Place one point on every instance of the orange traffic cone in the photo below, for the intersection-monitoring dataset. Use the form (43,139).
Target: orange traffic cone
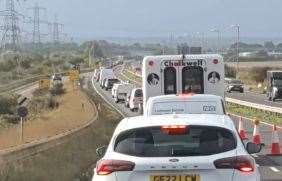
(256,134)
(275,148)
(241,129)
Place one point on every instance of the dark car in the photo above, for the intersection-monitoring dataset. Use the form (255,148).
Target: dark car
(110,82)
(234,85)
(57,77)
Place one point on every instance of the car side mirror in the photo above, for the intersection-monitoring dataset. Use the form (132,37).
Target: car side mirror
(101,151)
(253,148)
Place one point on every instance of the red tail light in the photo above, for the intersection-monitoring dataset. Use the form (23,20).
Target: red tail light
(106,167)
(174,130)
(241,163)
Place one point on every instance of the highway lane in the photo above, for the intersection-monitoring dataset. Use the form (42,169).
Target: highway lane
(254,98)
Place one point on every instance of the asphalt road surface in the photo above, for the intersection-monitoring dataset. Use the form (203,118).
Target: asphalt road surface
(270,166)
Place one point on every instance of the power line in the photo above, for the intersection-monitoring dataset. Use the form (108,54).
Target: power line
(11,31)
(36,34)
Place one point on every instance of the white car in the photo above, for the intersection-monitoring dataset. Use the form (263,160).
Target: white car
(185,104)
(136,98)
(172,147)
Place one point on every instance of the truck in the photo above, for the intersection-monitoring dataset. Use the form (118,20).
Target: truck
(182,74)
(274,85)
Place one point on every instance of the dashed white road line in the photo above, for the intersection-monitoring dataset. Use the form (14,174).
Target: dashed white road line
(274,169)
(103,97)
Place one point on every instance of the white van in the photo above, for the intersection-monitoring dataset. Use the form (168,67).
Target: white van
(115,88)
(181,74)
(122,91)
(106,74)
(185,104)
(136,99)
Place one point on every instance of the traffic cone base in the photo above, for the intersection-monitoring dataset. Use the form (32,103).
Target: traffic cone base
(242,134)
(256,139)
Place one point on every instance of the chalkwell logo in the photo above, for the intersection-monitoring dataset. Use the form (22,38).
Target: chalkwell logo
(184,63)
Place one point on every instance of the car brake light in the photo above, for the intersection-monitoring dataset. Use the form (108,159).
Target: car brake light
(106,167)
(241,163)
(174,130)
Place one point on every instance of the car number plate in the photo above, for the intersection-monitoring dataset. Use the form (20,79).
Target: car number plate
(191,177)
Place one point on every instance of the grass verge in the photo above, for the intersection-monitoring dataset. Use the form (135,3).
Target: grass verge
(71,160)
(254,113)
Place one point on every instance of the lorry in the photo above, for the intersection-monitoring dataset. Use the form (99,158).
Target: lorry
(274,85)
(183,74)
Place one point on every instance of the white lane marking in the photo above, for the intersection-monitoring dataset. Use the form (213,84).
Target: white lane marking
(274,169)
(103,97)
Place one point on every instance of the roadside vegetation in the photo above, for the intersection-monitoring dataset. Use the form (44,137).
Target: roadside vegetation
(75,158)
(254,113)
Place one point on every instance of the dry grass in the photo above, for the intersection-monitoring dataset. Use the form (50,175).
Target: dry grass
(68,115)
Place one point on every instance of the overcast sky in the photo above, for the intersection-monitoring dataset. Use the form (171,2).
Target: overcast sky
(130,18)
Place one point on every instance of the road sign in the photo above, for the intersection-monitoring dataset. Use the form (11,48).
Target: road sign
(74,75)
(44,83)
(22,111)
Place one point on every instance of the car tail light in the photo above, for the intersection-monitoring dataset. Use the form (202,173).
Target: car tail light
(106,167)
(241,163)
(174,130)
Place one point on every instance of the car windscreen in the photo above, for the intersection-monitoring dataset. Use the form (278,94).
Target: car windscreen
(157,142)
(113,80)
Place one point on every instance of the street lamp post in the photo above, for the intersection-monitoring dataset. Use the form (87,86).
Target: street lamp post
(218,38)
(237,48)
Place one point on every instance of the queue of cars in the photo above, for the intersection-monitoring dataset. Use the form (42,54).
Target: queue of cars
(184,134)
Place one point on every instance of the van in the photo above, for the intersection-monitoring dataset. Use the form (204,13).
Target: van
(115,88)
(105,74)
(274,85)
(122,91)
(110,82)
(136,99)
(182,74)
(185,104)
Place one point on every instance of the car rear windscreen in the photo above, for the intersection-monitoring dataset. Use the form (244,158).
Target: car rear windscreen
(194,141)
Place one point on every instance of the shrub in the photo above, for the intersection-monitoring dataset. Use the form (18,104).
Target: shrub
(258,74)
(8,104)
(57,89)
(230,71)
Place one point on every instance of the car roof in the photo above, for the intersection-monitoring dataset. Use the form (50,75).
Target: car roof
(206,97)
(223,121)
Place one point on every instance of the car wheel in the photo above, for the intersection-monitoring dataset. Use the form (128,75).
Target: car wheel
(269,98)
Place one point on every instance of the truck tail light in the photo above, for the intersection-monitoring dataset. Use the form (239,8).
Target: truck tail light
(174,130)
(106,167)
(241,163)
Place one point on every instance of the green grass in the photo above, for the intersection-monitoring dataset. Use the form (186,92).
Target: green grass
(254,113)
